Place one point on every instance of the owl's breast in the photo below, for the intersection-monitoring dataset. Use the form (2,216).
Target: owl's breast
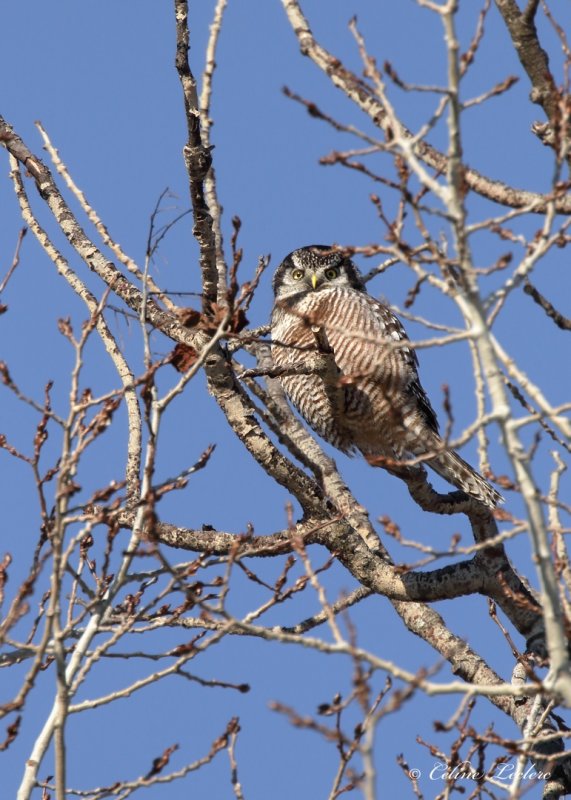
(295,349)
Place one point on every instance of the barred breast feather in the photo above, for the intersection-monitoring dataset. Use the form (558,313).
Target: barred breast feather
(378,406)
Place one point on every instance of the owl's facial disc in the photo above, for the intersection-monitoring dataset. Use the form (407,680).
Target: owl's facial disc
(313,278)
(314,268)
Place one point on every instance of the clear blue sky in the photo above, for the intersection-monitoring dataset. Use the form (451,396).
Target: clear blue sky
(100,76)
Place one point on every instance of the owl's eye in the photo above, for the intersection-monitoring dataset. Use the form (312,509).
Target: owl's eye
(331,273)
(297,274)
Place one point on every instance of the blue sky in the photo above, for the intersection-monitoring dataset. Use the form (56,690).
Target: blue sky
(100,76)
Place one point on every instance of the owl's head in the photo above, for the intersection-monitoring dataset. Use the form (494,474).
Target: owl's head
(314,268)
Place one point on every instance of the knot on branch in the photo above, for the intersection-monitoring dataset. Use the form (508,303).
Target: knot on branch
(198,160)
(545,133)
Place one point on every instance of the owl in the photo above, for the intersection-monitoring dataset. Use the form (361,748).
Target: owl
(373,403)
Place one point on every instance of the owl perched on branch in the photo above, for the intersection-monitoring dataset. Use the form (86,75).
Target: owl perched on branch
(348,367)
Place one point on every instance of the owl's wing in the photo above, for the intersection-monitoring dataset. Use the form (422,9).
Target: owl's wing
(392,328)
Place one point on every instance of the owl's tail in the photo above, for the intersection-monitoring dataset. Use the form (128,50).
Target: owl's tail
(450,466)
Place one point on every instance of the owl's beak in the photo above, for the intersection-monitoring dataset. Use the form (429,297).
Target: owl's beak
(314,280)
